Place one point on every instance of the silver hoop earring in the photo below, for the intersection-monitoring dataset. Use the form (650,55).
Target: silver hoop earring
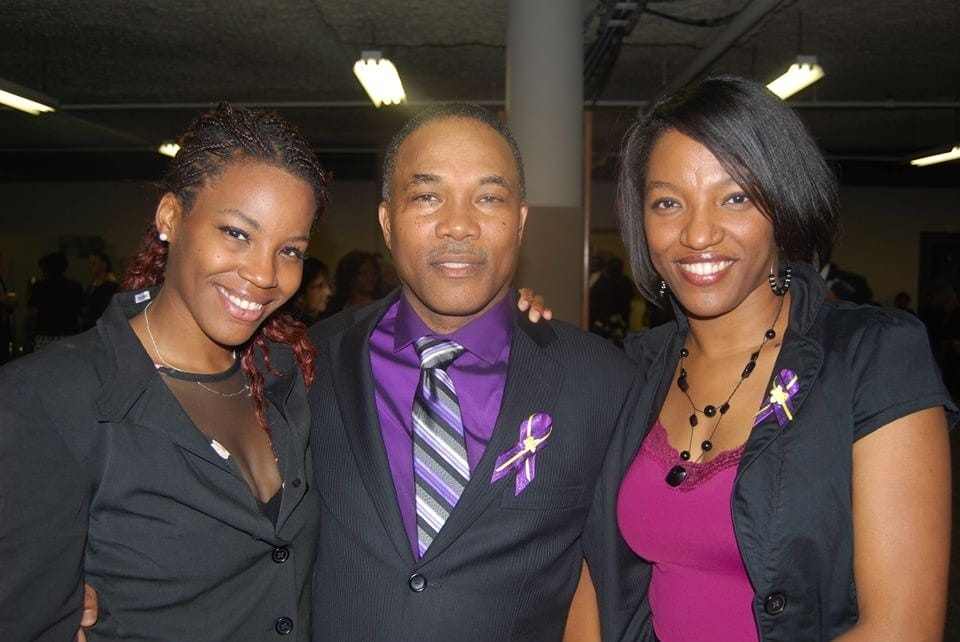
(780,290)
(663,288)
(162,237)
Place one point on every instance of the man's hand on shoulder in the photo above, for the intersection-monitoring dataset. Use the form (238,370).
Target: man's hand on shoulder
(91,610)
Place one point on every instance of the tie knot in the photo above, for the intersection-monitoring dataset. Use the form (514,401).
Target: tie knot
(437,353)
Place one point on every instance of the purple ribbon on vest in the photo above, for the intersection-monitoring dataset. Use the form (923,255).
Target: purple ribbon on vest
(780,400)
(522,457)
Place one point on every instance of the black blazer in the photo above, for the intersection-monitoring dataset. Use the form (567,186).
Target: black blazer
(505,566)
(102,472)
(858,368)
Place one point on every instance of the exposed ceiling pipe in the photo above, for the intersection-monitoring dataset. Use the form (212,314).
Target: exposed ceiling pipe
(744,21)
(824,105)
(617,21)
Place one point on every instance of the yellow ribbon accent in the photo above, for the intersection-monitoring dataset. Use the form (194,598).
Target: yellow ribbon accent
(530,445)
(780,396)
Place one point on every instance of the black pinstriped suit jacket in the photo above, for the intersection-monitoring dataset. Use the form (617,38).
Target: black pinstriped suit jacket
(505,566)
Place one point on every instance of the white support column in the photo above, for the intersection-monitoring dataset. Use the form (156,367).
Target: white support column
(544,104)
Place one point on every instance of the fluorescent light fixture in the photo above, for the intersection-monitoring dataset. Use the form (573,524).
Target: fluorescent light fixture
(803,73)
(19,97)
(923,161)
(379,79)
(169,149)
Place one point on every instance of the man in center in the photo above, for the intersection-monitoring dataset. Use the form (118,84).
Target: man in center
(458,448)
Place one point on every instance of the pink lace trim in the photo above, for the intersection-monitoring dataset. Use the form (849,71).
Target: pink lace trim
(658,448)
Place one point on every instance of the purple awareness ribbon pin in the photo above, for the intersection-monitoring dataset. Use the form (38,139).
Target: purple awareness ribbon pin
(522,457)
(780,401)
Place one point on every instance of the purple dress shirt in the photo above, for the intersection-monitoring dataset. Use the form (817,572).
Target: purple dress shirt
(479,375)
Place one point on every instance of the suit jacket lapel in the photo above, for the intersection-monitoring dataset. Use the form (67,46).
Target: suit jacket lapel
(657,367)
(134,392)
(157,410)
(533,385)
(803,358)
(286,397)
(139,396)
(358,407)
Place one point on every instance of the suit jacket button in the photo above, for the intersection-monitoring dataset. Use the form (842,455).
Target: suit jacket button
(417,582)
(283,626)
(775,603)
(295,483)
(280,554)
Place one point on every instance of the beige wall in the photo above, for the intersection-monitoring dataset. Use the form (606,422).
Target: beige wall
(881,233)
(551,259)
(38,218)
(880,236)
(350,223)
(881,228)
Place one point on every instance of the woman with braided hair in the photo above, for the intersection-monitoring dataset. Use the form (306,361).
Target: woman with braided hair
(161,456)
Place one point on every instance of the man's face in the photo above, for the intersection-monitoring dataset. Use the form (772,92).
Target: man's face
(455,220)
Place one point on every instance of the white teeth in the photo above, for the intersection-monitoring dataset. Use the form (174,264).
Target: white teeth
(243,303)
(705,269)
(456,266)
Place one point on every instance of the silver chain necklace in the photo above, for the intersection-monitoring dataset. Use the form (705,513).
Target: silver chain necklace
(156,348)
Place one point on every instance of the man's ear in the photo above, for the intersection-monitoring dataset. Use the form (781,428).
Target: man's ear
(383,214)
(168,216)
(523,219)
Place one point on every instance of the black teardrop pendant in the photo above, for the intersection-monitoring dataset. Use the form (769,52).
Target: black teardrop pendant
(676,475)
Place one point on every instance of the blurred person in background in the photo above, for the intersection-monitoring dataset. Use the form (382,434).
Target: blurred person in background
(55,302)
(103,285)
(310,302)
(8,302)
(356,282)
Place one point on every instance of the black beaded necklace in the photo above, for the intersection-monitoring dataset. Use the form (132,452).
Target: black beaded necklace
(678,473)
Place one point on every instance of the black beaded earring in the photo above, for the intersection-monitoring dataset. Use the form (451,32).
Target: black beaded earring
(780,290)
(663,288)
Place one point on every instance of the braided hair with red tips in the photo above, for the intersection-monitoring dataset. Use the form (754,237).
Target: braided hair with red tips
(216,140)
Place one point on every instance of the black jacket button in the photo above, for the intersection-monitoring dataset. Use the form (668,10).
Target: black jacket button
(417,582)
(295,483)
(775,603)
(283,626)
(280,554)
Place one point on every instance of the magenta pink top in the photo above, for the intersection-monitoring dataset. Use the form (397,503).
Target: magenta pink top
(699,589)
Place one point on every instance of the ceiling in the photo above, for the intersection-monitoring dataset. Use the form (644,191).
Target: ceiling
(130,73)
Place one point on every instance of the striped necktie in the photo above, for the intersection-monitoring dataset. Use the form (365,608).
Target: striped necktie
(440,467)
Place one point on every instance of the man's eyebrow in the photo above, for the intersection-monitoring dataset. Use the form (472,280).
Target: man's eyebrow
(420,179)
(495,179)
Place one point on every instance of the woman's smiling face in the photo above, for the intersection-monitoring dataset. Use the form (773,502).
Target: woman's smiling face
(711,244)
(237,255)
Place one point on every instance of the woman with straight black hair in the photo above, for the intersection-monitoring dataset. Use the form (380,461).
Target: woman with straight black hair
(788,477)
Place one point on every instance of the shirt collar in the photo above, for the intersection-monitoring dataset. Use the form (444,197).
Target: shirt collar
(484,337)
